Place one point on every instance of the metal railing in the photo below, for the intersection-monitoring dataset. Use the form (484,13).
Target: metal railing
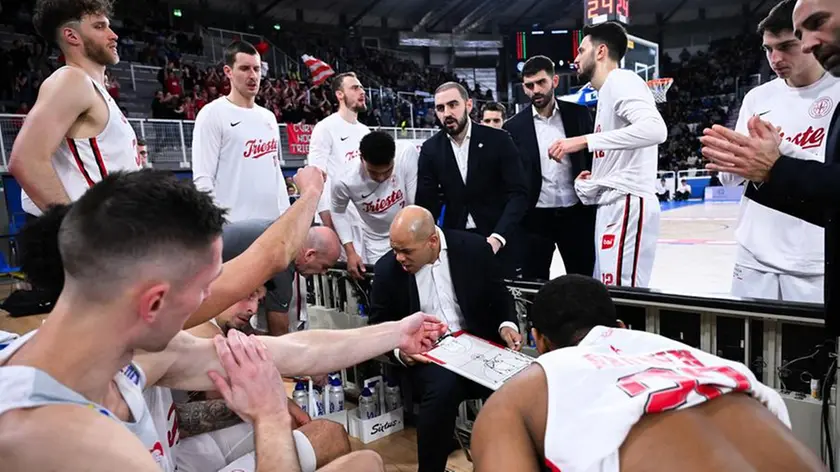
(278,60)
(170,141)
(136,67)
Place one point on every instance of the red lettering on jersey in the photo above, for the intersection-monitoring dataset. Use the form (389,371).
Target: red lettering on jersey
(607,241)
(808,139)
(157,452)
(257,148)
(598,154)
(683,381)
(350,155)
(383,204)
(172,418)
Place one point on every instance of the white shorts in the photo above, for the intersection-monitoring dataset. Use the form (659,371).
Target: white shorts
(752,283)
(626,233)
(232,449)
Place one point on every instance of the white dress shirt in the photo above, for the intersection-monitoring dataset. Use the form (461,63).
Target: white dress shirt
(437,293)
(462,157)
(558,188)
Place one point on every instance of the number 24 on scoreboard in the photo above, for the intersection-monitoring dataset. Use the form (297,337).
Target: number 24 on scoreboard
(611,9)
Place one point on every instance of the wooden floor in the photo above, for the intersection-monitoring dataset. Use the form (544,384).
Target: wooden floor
(399,450)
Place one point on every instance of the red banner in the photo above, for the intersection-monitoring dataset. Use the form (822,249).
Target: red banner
(299,135)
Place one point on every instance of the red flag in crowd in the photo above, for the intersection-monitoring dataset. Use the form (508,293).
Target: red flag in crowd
(319,69)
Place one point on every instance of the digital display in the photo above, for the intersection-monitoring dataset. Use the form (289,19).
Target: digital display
(558,45)
(600,11)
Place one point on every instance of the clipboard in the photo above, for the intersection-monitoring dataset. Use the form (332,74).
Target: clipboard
(484,362)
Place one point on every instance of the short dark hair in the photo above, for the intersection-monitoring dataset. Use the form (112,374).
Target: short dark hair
(49,15)
(235,48)
(537,64)
(125,219)
(141,142)
(453,85)
(377,148)
(612,34)
(494,106)
(338,81)
(779,19)
(566,308)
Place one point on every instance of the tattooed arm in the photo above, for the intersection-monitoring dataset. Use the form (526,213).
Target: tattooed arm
(204,416)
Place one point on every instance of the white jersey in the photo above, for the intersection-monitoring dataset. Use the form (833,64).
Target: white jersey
(82,162)
(621,375)
(333,145)
(628,128)
(804,114)
(164,416)
(28,387)
(236,156)
(377,203)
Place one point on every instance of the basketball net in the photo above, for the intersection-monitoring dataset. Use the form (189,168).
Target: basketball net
(659,88)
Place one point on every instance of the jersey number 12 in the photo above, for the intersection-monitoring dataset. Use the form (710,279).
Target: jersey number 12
(685,380)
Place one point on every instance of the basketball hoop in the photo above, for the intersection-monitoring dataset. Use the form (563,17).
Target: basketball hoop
(659,88)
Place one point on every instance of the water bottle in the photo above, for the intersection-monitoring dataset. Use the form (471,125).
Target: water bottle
(367,407)
(393,398)
(319,402)
(374,392)
(301,396)
(335,395)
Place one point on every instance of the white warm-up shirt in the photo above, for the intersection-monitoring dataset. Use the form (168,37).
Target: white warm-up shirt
(333,145)
(377,203)
(769,240)
(628,128)
(236,156)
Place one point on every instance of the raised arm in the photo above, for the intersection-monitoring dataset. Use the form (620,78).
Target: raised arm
(271,253)
(62,99)
(636,106)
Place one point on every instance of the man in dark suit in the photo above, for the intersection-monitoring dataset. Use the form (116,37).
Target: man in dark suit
(477,171)
(454,275)
(806,189)
(555,214)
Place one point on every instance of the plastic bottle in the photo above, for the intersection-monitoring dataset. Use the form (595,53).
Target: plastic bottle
(319,402)
(301,396)
(375,388)
(367,407)
(335,396)
(393,397)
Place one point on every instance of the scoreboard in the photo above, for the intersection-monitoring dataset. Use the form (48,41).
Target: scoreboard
(600,11)
(559,45)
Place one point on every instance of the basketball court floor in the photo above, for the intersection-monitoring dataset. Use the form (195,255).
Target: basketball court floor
(696,250)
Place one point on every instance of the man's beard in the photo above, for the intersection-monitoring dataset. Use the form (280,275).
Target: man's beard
(828,55)
(544,101)
(462,123)
(357,108)
(585,74)
(98,54)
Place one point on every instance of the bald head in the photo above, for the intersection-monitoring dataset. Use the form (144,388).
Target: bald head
(414,222)
(320,251)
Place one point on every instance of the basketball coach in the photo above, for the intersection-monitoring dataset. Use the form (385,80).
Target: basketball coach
(809,190)
(476,172)
(555,214)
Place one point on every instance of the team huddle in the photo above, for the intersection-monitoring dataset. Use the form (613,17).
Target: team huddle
(154,297)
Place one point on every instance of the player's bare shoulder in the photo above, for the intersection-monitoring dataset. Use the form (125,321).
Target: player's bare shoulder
(79,439)
(67,83)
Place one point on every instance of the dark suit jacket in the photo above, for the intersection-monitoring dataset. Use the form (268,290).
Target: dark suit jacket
(576,122)
(479,288)
(495,194)
(810,190)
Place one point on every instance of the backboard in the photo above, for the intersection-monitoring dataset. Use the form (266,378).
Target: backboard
(642,57)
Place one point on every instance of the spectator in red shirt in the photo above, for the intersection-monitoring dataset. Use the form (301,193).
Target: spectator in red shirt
(172,83)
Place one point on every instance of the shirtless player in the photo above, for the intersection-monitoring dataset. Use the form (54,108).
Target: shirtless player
(141,252)
(603,398)
(75,134)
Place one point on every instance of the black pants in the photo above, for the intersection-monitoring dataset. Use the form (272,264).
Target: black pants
(571,230)
(510,256)
(441,392)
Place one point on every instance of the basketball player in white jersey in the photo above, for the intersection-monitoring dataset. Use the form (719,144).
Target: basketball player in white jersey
(335,140)
(134,273)
(379,185)
(778,256)
(236,151)
(628,128)
(75,133)
(603,398)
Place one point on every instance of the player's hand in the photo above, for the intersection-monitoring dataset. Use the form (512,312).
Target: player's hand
(253,388)
(585,175)
(512,338)
(414,359)
(561,147)
(355,265)
(310,179)
(751,157)
(494,243)
(299,417)
(419,332)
